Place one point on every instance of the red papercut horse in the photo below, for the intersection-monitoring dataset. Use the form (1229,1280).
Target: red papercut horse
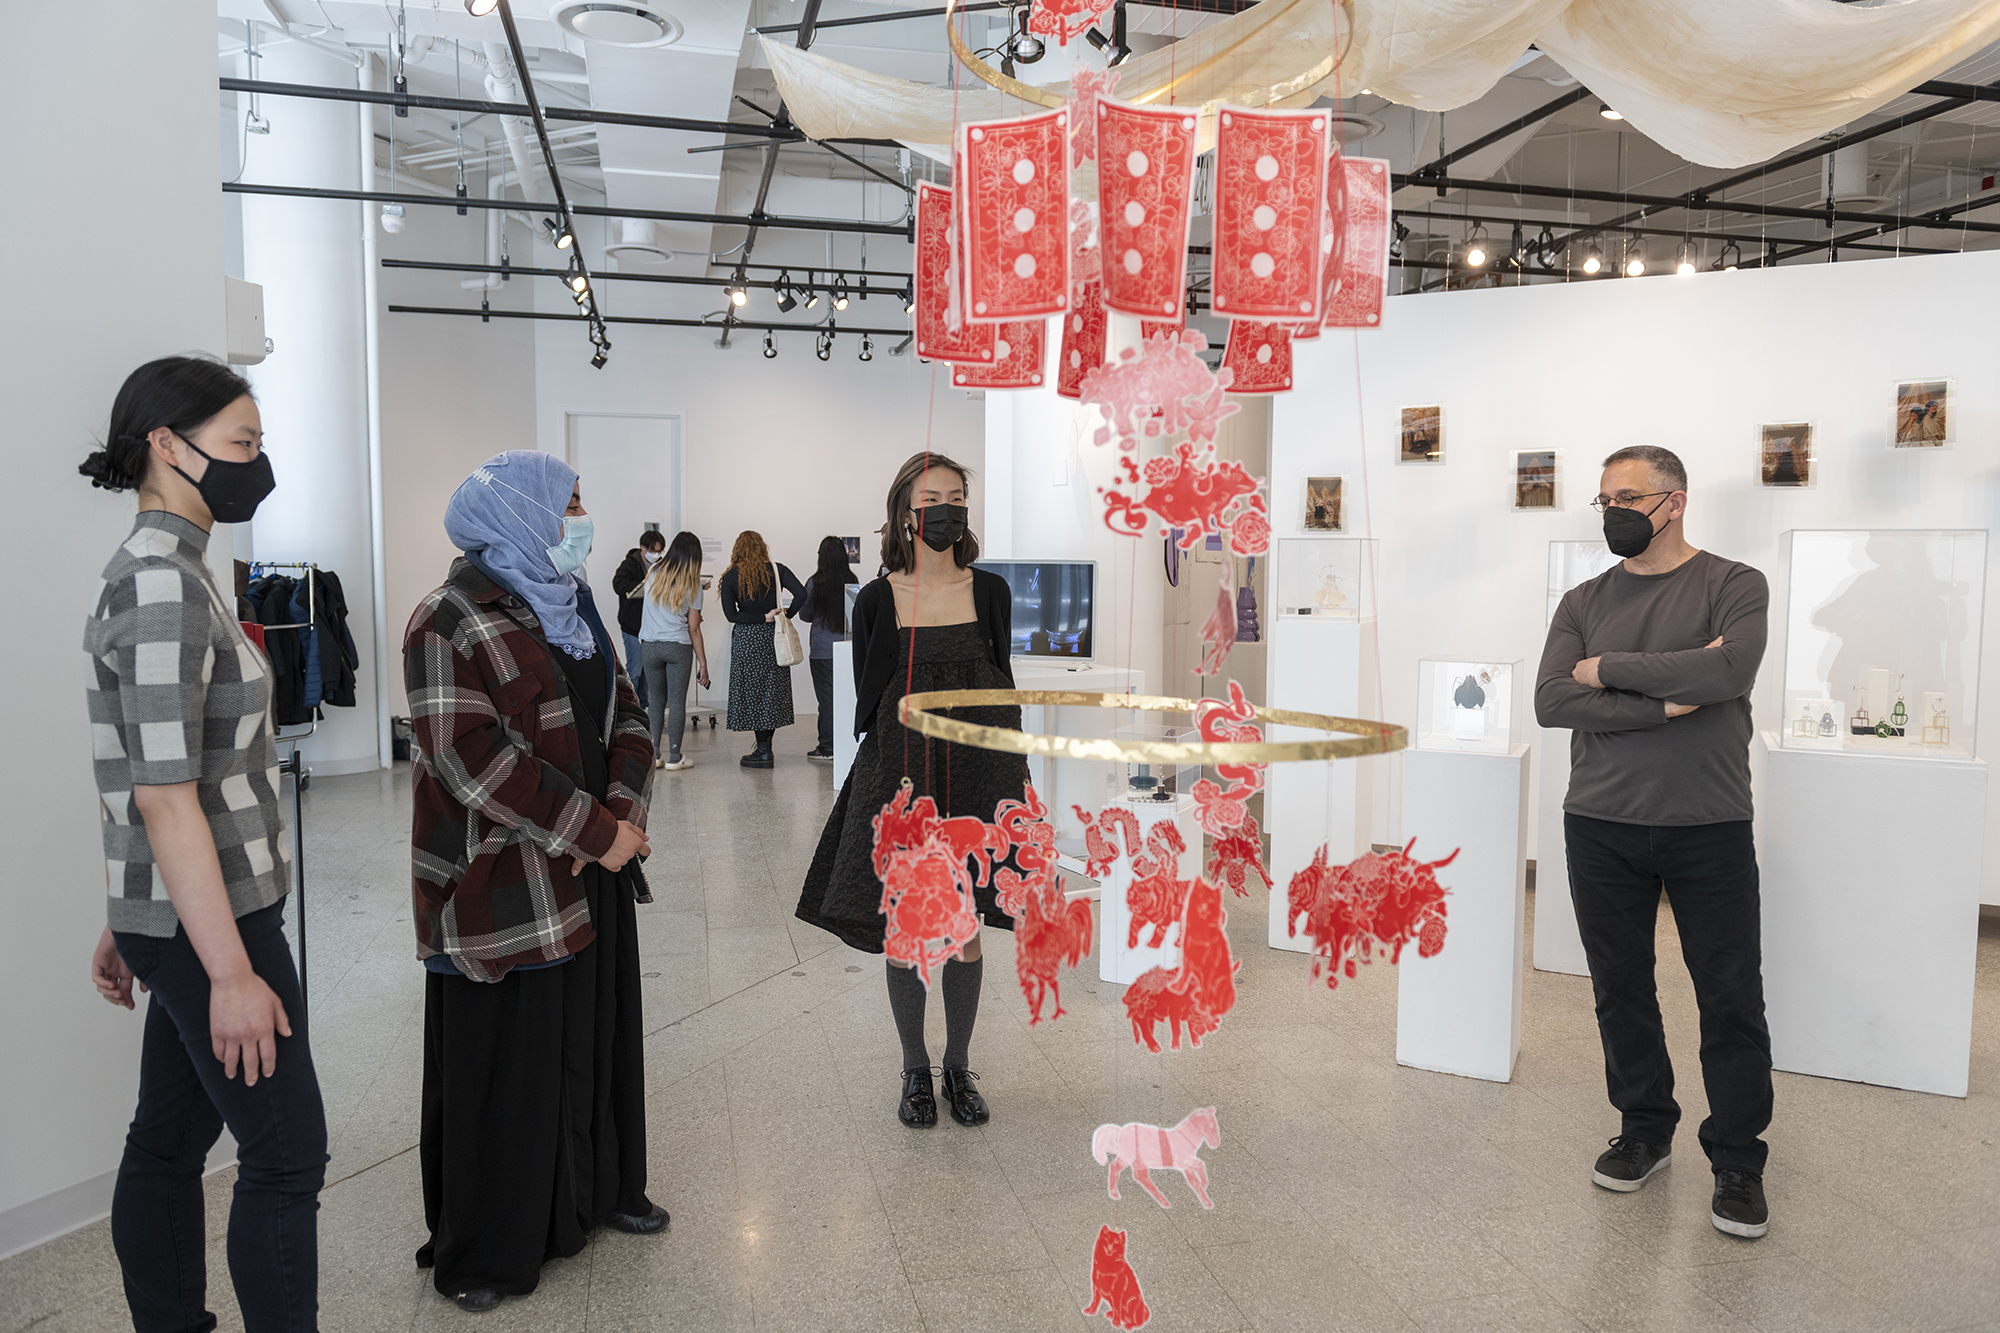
(1155,895)
(1202,991)
(1113,1284)
(1147,1148)
(1376,904)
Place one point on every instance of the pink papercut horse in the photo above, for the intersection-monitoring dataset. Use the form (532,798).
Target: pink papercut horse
(1149,1148)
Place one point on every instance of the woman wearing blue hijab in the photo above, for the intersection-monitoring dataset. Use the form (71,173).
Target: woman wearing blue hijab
(530,793)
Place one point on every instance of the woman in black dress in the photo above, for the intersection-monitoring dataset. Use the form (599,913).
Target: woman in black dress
(760,691)
(933,614)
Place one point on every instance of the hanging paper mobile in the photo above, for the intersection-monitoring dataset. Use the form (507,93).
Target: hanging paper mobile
(1218,633)
(1357,279)
(1270,198)
(1258,357)
(1237,854)
(1376,904)
(1114,1287)
(1198,994)
(1158,390)
(1155,895)
(936,339)
(1195,493)
(1017,364)
(1084,331)
(1147,1148)
(1015,217)
(1145,176)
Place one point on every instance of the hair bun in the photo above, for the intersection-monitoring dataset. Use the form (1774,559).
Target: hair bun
(104,473)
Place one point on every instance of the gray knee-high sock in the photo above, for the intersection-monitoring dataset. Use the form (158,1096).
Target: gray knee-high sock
(961,1007)
(906,1002)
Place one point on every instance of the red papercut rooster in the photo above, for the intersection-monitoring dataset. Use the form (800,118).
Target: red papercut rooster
(1377,904)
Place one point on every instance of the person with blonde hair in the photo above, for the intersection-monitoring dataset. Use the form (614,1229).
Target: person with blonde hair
(760,691)
(670,645)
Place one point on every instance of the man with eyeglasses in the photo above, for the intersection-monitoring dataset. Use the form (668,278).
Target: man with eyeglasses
(1649,666)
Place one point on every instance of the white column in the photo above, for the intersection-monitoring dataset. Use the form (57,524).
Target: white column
(313,388)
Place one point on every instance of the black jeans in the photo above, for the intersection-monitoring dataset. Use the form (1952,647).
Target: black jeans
(822,674)
(1709,871)
(157,1225)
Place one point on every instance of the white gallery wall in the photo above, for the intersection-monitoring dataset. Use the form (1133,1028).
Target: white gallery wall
(75,331)
(1694,364)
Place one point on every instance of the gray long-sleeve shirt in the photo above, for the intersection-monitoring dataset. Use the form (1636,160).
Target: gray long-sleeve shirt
(1629,762)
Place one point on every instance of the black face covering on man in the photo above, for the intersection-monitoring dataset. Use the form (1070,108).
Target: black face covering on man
(1628,532)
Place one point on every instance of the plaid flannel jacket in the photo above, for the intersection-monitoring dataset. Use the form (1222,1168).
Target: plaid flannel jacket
(500,805)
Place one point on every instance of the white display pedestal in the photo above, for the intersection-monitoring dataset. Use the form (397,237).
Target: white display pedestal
(1459,1012)
(1558,946)
(1316,665)
(1066,782)
(844,743)
(1115,961)
(1871,867)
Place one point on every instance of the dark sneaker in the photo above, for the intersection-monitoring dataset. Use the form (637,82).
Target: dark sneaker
(820,754)
(1630,1163)
(1739,1208)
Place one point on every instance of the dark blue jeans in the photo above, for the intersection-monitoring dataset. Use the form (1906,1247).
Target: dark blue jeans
(156,1211)
(634,667)
(1709,872)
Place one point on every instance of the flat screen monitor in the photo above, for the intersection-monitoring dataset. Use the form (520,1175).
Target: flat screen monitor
(1055,606)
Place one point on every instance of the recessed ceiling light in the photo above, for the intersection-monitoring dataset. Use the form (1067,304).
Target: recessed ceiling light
(615,24)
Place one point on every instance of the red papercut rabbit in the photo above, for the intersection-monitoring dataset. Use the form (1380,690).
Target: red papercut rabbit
(1113,1284)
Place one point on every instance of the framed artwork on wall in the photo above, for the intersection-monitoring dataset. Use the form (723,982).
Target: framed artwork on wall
(1420,435)
(1325,505)
(853,545)
(1537,480)
(1785,454)
(1925,416)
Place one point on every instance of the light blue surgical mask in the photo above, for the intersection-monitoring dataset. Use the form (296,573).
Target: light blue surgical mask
(569,554)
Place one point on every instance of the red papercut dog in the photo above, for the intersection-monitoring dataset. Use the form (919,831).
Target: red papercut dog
(1113,1284)
(1148,1148)
(1202,991)
(1377,904)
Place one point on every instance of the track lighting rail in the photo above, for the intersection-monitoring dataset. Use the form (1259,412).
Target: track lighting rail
(642,319)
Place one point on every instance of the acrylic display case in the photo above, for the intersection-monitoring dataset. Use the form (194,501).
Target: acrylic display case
(1882,640)
(1571,563)
(1134,781)
(1324,578)
(1466,705)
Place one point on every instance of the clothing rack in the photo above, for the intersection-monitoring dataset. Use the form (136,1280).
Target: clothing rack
(292,764)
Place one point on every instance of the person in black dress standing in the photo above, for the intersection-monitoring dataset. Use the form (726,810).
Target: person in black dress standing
(760,691)
(935,618)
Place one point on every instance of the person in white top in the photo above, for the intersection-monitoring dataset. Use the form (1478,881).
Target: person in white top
(670,646)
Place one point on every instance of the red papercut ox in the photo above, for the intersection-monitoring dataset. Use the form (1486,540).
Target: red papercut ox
(1270,192)
(1017,365)
(935,340)
(1145,176)
(1015,216)
(1357,275)
(1259,356)
(1084,331)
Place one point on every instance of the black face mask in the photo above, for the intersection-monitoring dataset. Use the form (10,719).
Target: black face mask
(232,491)
(1628,532)
(942,525)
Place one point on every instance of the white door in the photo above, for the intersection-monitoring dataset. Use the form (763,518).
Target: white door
(630,473)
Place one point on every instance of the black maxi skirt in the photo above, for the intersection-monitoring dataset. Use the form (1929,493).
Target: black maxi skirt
(534,1112)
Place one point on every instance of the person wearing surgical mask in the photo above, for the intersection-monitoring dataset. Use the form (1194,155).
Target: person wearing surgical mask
(933,622)
(530,803)
(1649,666)
(199,868)
(626,586)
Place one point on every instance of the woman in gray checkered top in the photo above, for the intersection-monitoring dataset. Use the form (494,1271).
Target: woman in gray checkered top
(180,728)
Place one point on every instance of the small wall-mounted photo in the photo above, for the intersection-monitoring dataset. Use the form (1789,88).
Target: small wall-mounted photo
(1325,505)
(1785,454)
(1535,479)
(853,545)
(1420,437)
(1924,415)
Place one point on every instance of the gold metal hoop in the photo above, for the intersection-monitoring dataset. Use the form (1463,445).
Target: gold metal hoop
(1368,737)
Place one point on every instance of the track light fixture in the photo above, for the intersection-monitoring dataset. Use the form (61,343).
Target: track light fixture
(909,295)
(787,301)
(1475,246)
(1684,260)
(812,293)
(1396,244)
(1635,258)
(598,358)
(839,290)
(562,236)
(1516,247)
(770,347)
(1593,258)
(1732,257)
(579,283)
(1116,51)
(823,345)
(479,9)
(736,291)
(867,349)
(1604,110)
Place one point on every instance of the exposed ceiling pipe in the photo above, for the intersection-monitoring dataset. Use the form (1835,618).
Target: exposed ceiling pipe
(502,86)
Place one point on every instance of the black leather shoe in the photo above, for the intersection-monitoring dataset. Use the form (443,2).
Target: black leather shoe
(651,1224)
(758,759)
(477,1300)
(919,1106)
(967,1106)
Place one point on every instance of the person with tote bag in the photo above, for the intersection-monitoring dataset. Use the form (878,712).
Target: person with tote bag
(760,686)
